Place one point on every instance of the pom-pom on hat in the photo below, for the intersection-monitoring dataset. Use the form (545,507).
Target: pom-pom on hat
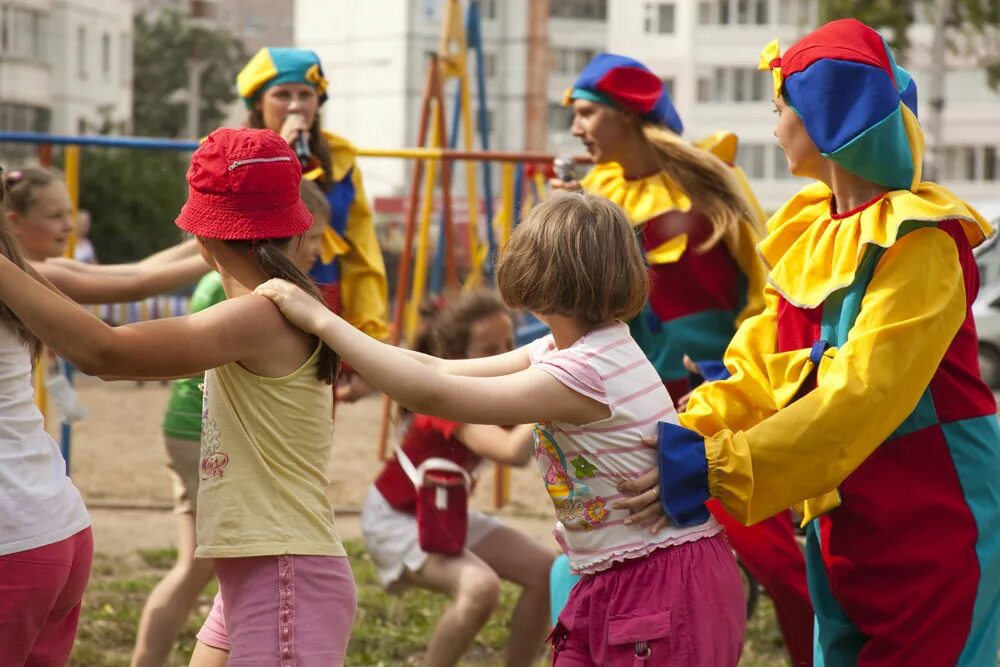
(858,106)
(244,185)
(273,66)
(626,83)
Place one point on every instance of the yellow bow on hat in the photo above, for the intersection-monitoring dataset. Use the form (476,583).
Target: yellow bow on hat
(770,59)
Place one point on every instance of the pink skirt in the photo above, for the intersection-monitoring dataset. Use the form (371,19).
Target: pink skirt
(680,605)
(282,611)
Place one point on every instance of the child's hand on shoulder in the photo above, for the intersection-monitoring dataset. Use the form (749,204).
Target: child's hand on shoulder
(298,307)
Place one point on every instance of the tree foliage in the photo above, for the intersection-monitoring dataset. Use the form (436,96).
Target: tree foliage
(134,197)
(974,26)
(165,45)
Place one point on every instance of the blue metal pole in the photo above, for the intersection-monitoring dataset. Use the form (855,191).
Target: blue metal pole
(474,33)
(437,268)
(65,429)
(151,143)
(518,193)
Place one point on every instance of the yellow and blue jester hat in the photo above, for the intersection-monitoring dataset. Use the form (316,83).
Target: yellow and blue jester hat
(625,83)
(858,106)
(274,66)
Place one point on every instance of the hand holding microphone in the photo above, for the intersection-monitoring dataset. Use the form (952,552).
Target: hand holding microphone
(295,131)
(564,167)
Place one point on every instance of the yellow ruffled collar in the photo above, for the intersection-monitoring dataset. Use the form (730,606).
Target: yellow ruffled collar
(642,198)
(812,253)
(342,155)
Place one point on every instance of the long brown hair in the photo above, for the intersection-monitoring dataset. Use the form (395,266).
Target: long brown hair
(274,263)
(319,147)
(22,184)
(707,180)
(11,249)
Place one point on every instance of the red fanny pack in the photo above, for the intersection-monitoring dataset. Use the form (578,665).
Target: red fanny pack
(442,503)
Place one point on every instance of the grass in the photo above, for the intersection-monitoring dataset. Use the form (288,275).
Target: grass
(389,630)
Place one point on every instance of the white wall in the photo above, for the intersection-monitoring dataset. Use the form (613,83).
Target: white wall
(98,75)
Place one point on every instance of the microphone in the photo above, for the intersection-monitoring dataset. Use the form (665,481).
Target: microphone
(301,143)
(565,168)
(302,148)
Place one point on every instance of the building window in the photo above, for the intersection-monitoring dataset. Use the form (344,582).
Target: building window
(990,165)
(4,28)
(781,164)
(22,33)
(559,118)
(960,163)
(489,9)
(81,52)
(751,159)
(106,55)
(570,61)
(24,118)
(668,85)
(705,14)
(125,55)
(743,12)
(659,18)
(489,63)
(723,6)
(81,126)
(733,84)
(704,93)
(579,9)
(761,11)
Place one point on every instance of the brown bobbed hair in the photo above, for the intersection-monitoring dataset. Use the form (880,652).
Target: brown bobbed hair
(575,255)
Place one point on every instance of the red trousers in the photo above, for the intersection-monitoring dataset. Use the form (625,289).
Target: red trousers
(771,554)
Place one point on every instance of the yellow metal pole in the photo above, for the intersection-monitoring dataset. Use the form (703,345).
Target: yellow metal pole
(72,169)
(506,203)
(423,240)
(540,185)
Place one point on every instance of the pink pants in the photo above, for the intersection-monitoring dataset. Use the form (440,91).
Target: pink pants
(282,611)
(680,605)
(40,595)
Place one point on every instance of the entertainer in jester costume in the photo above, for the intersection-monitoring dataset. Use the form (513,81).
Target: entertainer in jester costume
(698,222)
(857,390)
(284,89)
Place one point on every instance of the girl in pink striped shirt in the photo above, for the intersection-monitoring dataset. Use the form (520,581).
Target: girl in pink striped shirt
(669,597)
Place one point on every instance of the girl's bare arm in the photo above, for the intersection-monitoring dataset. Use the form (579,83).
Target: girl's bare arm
(234,330)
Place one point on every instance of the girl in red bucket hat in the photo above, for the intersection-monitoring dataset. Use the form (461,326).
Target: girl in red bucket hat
(284,580)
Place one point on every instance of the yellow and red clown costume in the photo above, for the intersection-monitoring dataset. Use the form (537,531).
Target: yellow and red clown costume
(698,299)
(856,393)
(350,271)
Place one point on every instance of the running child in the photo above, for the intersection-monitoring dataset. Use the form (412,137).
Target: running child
(671,597)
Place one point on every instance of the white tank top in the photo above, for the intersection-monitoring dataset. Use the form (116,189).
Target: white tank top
(38,503)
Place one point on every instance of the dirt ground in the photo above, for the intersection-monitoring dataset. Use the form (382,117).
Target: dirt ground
(118,463)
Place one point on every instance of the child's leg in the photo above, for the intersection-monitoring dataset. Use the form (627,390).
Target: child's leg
(170,603)
(475,589)
(516,557)
(40,596)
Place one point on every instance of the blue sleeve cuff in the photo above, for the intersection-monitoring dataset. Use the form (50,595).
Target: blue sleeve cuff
(683,475)
(713,371)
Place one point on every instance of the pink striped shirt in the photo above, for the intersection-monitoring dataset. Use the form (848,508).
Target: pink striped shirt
(582,465)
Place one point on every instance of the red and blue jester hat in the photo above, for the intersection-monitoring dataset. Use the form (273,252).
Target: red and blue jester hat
(625,83)
(858,106)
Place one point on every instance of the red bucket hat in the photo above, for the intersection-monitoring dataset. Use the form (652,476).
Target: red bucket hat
(244,185)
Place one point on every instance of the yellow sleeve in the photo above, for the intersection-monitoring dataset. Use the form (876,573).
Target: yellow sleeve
(744,399)
(911,311)
(362,271)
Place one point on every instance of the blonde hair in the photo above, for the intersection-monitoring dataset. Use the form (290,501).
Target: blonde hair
(575,255)
(314,199)
(707,180)
(11,249)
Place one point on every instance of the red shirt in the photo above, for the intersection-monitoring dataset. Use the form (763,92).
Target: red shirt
(427,437)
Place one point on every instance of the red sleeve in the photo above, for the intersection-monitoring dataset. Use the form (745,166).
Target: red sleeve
(443,426)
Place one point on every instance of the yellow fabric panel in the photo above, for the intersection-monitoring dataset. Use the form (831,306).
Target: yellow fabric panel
(911,311)
(333,245)
(642,198)
(722,144)
(811,254)
(363,291)
(669,251)
(256,73)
